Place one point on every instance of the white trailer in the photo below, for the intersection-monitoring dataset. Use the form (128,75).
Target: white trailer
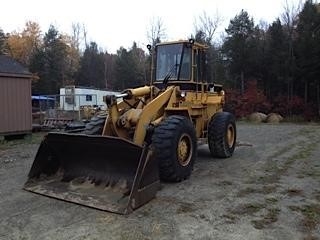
(72,98)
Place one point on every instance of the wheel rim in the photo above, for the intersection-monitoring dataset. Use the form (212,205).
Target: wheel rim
(184,150)
(230,135)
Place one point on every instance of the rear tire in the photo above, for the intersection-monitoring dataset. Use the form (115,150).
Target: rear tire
(95,126)
(174,141)
(222,135)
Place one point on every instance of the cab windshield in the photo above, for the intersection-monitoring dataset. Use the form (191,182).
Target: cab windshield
(173,62)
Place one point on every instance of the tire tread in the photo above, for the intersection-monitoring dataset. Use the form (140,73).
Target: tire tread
(164,142)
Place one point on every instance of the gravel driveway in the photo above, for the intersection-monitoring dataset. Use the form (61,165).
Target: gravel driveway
(269,189)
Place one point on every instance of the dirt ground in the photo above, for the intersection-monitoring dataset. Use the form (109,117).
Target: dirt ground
(269,189)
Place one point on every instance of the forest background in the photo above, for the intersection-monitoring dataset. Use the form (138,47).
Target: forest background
(265,67)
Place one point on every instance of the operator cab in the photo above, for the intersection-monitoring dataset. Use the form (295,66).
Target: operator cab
(174,62)
(181,63)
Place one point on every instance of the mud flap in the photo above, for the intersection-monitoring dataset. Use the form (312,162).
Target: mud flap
(107,173)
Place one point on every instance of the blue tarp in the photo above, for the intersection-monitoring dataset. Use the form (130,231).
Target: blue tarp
(42,98)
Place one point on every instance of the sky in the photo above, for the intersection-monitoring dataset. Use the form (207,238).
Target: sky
(116,23)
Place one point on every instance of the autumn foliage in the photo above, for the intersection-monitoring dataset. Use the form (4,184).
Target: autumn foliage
(254,100)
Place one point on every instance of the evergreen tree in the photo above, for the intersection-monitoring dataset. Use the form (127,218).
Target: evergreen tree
(3,40)
(109,69)
(139,65)
(237,48)
(123,70)
(130,68)
(49,62)
(91,72)
(276,60)
(308,51)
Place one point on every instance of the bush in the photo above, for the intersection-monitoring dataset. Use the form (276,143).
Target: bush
(294,107)
(254,100)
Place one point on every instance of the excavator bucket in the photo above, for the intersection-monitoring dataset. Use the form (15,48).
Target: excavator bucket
(103,172)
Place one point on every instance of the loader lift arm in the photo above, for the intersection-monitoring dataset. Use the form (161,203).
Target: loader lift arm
(140,116)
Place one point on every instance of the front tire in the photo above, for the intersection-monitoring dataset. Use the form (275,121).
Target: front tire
(222,135)
(174,141)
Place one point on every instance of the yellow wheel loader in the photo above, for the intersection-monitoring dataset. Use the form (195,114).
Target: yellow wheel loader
(150,133)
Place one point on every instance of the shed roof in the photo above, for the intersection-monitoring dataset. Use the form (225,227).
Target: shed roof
(11,66)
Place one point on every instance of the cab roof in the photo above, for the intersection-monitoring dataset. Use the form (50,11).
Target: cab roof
(197,44)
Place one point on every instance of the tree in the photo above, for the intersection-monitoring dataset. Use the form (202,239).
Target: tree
(3,42)
(22,46)
(205,27)
(78,35)
(308,52)
(123,69)
(72,60)
(156,31)
(290,19)
(109,69)
(130,68)
(277,56)
(237,46)
(307,41)
(50,63)
(91,72)
(139,65)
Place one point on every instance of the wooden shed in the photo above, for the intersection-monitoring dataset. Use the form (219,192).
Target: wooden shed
(15,98)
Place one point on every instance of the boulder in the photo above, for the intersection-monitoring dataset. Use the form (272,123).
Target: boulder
(257,117)
(274,118)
